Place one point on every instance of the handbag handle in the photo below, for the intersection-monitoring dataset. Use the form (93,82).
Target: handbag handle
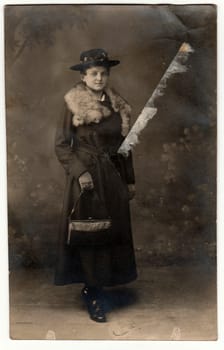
(76,203)
(75,206)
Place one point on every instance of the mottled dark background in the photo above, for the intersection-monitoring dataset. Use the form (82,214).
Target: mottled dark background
(174,211)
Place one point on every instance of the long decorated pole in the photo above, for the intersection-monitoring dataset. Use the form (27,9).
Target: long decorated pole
(176,66)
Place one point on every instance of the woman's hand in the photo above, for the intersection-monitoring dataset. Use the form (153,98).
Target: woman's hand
(131,191)
(86,181)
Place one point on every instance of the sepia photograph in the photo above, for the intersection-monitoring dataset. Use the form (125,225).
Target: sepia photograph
(111,132)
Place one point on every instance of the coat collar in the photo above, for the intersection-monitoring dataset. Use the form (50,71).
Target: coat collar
(86,108)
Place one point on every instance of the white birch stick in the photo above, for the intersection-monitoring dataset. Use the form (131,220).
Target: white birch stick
(176,66)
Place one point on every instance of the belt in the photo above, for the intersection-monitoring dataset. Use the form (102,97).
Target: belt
(100,155)
(98,152)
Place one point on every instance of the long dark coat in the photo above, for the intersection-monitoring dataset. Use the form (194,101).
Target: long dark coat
(93,148)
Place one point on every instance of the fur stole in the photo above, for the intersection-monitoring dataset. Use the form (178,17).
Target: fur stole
(86,108)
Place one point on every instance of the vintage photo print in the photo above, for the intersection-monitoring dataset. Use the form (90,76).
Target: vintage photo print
(111,171)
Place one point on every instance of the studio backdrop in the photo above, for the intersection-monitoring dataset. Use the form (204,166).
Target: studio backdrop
(174,211)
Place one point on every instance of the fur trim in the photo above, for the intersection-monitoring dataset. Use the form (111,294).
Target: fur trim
(87,109)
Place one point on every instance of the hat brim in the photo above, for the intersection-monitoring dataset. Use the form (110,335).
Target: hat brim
(81,66)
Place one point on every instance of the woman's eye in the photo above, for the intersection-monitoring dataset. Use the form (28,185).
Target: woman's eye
(94,74)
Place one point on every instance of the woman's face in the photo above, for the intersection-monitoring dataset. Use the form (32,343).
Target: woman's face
(96,78)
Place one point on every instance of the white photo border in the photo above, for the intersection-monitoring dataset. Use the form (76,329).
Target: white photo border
(5,342)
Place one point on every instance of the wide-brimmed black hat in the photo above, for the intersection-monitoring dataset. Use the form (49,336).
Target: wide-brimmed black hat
(94,57)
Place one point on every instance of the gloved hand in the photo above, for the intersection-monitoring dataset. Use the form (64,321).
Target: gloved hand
(131,191)
(86,181)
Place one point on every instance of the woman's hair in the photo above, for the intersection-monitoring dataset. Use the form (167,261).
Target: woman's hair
(83,70)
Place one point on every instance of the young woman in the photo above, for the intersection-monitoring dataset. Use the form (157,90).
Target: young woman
(94,123)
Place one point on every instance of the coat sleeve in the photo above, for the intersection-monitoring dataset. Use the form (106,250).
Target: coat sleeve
(128,168)
(63,141)
(125,166)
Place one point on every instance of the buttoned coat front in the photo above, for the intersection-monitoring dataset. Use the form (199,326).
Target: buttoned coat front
(88,136)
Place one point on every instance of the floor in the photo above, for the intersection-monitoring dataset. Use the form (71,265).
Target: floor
(164,303)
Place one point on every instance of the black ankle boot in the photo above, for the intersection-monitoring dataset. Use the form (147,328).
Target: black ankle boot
(93,299)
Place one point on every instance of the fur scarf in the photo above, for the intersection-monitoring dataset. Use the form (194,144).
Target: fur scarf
(86,108)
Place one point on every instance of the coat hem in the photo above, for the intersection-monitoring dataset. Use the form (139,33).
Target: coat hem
(108,284)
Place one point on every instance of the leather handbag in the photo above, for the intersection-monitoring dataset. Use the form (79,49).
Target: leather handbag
(88,222)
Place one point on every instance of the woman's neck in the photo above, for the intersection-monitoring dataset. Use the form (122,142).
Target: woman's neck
(98,94)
